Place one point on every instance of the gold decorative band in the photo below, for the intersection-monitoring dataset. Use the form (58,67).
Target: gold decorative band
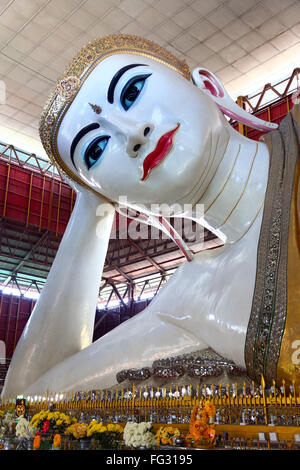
(77,72)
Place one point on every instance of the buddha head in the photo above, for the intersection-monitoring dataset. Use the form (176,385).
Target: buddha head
(127,118)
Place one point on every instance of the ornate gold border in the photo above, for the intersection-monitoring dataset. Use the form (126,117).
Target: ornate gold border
(75,75)
(269,306)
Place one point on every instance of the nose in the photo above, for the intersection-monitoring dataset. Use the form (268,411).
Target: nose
(136,133)
(137,136)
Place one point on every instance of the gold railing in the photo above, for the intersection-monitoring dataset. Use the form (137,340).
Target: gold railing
(174,404)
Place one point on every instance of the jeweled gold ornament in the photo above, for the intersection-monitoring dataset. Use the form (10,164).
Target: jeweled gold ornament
(20,407)
(96,108)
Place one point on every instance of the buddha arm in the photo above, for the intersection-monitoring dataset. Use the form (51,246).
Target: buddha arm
(62,321)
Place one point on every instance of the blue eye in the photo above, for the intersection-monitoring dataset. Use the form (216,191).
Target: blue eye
(132,89)
(95,150)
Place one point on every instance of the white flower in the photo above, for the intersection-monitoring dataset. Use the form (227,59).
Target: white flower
(24,430)
(138,434)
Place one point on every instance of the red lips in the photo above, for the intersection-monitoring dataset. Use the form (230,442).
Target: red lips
(163,146)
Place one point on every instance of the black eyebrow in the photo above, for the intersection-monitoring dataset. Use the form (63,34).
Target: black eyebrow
(116,78)
(79,136)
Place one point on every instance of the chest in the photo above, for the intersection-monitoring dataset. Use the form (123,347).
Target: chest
(211,297)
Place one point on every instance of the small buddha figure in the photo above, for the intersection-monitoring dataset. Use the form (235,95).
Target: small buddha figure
(21,407)
(201,428)
(129,119)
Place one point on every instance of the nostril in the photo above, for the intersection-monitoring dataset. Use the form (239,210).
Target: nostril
(146,131)
(136,147)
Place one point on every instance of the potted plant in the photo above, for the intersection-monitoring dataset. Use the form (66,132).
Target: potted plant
(78,432)
(139,435)
(107,436)
(49,424)
(25,433)
(166,435)
(8,422)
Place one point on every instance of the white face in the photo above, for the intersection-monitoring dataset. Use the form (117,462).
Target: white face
(152,138)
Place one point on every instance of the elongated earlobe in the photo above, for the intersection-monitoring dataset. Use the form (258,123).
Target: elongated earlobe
(211,85)
(161,223)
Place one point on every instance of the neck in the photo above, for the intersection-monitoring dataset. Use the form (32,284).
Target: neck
(232,188)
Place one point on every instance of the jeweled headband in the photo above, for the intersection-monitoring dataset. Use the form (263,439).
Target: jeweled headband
(77,72)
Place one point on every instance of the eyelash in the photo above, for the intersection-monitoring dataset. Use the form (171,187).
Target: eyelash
(98,150)
(132,90)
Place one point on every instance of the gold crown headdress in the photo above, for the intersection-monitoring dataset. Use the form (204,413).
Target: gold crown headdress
(77,72)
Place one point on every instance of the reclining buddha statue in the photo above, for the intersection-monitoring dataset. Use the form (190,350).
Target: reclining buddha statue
(128,118)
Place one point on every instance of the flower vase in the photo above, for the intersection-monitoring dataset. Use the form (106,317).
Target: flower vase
(21,443)
(83,444)
(54,448)
(29,444)
(205,445)
(46,442)
(179,441)
(9,443)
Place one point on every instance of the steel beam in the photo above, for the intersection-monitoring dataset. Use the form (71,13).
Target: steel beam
(147,257)
(28,255)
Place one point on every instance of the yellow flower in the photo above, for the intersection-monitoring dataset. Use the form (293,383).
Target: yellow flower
(165,434)
(114,428)
(78,430)
(57,440)
(209,408)
(36,442)
(36,419)
(95,428)
(69,430)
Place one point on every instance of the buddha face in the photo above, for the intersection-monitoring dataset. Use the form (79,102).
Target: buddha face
(139,129)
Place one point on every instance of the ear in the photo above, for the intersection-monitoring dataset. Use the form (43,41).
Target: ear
(161,223)
(211,85)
